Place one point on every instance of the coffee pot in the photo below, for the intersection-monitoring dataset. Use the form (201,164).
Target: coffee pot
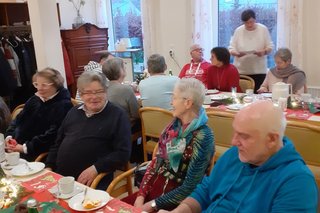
(281,90)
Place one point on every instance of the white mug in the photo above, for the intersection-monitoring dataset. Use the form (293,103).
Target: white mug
(207,99)
(13,158)
(66,185)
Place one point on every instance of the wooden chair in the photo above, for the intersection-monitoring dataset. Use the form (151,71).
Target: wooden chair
(75,102)
(221,124)
(246,82)
(123,183)
(153,122)
(305,137)
(42,157)
(16,111)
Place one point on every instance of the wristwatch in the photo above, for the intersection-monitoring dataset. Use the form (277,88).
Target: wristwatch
(154,205)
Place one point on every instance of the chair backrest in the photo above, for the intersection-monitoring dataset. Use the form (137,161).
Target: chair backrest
(75,102)
(306,139)
(16,111)
(221,124)
(123,183)
(153,121)
(246,82)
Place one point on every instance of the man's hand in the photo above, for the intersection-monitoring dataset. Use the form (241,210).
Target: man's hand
(87,176)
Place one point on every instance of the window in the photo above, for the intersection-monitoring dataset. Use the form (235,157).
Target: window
(126,21)
(229,13)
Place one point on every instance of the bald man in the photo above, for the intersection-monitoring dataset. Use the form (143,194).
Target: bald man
(262,172)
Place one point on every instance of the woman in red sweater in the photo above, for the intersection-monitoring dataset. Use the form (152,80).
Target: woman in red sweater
(221,74)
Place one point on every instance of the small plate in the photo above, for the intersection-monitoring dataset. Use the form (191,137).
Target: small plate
(219,97)
(212,91)
(75,203)
(76,190)
(6,166)
(22,170)
(235,106)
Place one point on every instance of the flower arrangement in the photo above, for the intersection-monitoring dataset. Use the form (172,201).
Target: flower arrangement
(78,5)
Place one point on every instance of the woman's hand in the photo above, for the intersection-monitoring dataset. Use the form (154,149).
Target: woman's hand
(14,148)
(262,90)
(139,202)
(147,207)
(87,176)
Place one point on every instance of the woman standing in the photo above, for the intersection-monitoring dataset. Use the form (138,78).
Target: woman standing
(222,75)
(35,128)
(285,72)
(185,149)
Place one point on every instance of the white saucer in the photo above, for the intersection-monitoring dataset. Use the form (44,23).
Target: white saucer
(31,168)
(6,166)
(76,190)
(212,91)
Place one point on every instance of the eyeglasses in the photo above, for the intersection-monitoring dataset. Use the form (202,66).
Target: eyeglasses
(199,50)
(43,85)
(97,92)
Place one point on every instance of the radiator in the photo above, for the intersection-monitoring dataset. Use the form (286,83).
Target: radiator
(314,91)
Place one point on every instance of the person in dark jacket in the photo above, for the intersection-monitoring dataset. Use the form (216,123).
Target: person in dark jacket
(94,137)
(35,128)
(5,116)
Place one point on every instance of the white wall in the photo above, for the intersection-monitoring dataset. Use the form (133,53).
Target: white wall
(68,13)
(311,42)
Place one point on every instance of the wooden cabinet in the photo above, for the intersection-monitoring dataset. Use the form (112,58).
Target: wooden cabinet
(81,45)
(11,13)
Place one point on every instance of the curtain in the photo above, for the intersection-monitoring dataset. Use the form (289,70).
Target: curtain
(289,28)
(148,27)
(101,11)
(202,25)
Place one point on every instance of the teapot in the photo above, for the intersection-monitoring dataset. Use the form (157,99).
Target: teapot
(281,89)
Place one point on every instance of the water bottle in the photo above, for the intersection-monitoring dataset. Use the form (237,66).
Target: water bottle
(2,145)
(32,206)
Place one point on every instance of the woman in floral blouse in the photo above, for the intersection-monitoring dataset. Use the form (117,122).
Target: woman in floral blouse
(185,149)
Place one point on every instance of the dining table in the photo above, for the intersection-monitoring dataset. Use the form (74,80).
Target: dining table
(41,185)
(233,102)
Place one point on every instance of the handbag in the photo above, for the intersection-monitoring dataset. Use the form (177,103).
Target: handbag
(139,172)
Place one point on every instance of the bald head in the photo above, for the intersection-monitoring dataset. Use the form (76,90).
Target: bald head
(264,117)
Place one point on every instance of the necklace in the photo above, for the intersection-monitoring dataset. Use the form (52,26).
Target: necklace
(197,70)
(219,77)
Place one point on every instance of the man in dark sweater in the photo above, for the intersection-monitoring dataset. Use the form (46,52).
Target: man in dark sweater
(94,137)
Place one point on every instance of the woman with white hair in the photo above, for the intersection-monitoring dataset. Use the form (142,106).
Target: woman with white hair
(285,72)
(185,148)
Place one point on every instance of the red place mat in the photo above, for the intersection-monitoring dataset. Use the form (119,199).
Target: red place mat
(43,182)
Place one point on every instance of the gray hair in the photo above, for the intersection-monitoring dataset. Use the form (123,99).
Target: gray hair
(89,77)
(193,89)
(52,75)
(156,64)
(284,53)
(112,68)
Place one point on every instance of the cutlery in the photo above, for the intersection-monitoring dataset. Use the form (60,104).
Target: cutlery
(84,195)
(28,167)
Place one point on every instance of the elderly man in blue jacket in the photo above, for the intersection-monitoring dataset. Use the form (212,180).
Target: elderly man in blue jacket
(262,172)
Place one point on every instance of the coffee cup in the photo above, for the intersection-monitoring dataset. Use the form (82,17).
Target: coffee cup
(66,185)
(13,158)
(207,99)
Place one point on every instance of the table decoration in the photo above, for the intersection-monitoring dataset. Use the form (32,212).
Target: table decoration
(11,192)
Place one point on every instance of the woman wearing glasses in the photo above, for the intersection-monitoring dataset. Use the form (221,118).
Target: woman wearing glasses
(35,128)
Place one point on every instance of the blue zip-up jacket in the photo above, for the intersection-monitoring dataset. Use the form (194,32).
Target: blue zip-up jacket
(282,184)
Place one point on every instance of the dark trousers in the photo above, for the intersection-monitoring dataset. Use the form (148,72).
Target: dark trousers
(258,80)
